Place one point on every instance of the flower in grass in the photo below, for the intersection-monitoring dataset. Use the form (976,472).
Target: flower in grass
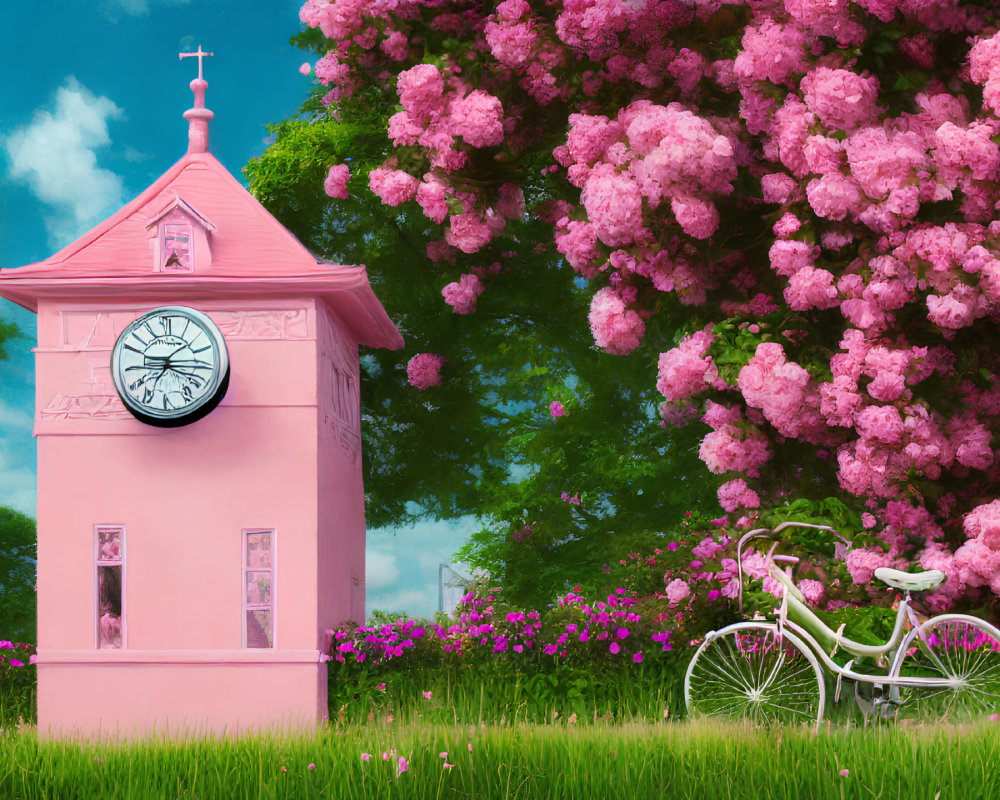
(845,772)
(16,663)
(446,765)
(556,409)
(401,766)
(311,767)
(427,695)
(389,718)
(381,687)
(470,747)
(621,633)
(443,754)
(637,657)
(284,769)
(614,647)
(994,717)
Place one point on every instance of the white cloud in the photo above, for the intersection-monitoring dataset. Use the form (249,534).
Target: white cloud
(422,548)
(55,156)
(381,571)
(15,420)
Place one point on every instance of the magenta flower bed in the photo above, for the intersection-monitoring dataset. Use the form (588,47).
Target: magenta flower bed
(16,654)
(17,682)
(611,628)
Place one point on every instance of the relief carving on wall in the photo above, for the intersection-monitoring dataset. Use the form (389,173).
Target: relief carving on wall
(98,400)
(282,324)
(87,330)
(342,413)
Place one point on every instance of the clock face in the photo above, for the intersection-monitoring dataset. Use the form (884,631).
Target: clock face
(170,366)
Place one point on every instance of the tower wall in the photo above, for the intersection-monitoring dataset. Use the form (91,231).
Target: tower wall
(184,497)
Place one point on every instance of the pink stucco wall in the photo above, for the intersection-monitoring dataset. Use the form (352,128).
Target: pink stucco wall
(281,451)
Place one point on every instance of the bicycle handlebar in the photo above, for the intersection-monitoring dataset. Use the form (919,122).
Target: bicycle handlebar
(770,533)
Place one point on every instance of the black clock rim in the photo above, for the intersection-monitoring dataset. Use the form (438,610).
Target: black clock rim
(207,405)
(194,415)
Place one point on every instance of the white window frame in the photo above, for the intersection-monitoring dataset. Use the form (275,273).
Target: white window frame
(100,528)
(273,605)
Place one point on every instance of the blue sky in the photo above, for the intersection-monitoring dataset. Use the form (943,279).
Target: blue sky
(91,100)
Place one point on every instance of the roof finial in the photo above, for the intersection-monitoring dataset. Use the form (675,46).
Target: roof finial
(198,116)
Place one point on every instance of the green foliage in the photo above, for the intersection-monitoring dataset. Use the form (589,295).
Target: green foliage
(483,443)
(8,330)
(17,575)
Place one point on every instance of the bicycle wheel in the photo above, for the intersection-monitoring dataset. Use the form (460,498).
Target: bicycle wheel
(962,650)
(748,671)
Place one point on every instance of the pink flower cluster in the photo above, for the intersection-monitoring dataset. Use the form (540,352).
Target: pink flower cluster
(461,295)
(335,184)
(424,370)
(616,327)
(686,370)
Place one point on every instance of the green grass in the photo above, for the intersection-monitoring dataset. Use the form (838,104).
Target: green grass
(555,760)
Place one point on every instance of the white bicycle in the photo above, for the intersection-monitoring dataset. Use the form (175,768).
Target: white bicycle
(947,667)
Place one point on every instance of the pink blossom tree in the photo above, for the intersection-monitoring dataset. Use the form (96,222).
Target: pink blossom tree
(813,186)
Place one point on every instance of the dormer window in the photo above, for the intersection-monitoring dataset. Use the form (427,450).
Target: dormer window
(180,238)
(177,247)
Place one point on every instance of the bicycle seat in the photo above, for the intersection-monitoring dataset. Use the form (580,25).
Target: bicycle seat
(910,581)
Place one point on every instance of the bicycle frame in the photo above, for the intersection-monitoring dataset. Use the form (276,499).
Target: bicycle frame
(799,618)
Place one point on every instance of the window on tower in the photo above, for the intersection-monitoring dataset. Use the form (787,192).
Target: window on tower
(177,248)
(110,566)
(258,593)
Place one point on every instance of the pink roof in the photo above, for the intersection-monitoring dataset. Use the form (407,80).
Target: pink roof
(251,254)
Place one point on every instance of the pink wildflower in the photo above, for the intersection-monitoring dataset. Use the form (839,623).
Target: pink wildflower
(676,591)
(556,409)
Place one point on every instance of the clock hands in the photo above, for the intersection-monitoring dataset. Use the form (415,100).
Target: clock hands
(168,373)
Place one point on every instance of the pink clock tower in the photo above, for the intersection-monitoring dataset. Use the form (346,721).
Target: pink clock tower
(200,501)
